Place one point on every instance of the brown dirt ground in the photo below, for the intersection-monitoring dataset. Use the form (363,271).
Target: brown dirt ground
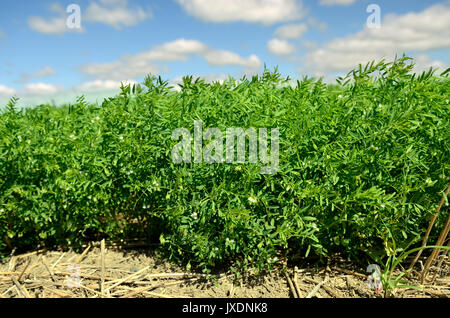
(139,272)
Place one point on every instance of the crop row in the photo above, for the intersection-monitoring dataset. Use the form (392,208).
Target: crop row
(362,165)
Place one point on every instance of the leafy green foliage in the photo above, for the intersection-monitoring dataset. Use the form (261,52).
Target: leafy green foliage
(362,164)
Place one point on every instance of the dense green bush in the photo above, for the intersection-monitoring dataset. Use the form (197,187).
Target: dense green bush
(362,165)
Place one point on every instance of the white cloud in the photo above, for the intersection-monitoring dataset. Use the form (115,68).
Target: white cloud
(280,47)
(336,2)
(254,11)
(224,58)
(178,50)
(141,64)
(100,86)
(134,66)
(411,32)
(125,68)
(49,90)
(2,35)
(210,78)
(42,93)
(50,26)
(291,31)
(40,89)
(424,62)
(115,13)
(6,92)
(46,71)
(55,25)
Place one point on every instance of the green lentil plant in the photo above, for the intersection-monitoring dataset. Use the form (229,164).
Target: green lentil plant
(360,164)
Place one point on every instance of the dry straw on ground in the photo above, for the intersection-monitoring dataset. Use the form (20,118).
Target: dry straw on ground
(123,272)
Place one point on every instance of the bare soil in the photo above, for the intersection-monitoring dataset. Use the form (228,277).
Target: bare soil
(138,272)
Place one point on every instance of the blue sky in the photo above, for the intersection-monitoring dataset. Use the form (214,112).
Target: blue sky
(43,60)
